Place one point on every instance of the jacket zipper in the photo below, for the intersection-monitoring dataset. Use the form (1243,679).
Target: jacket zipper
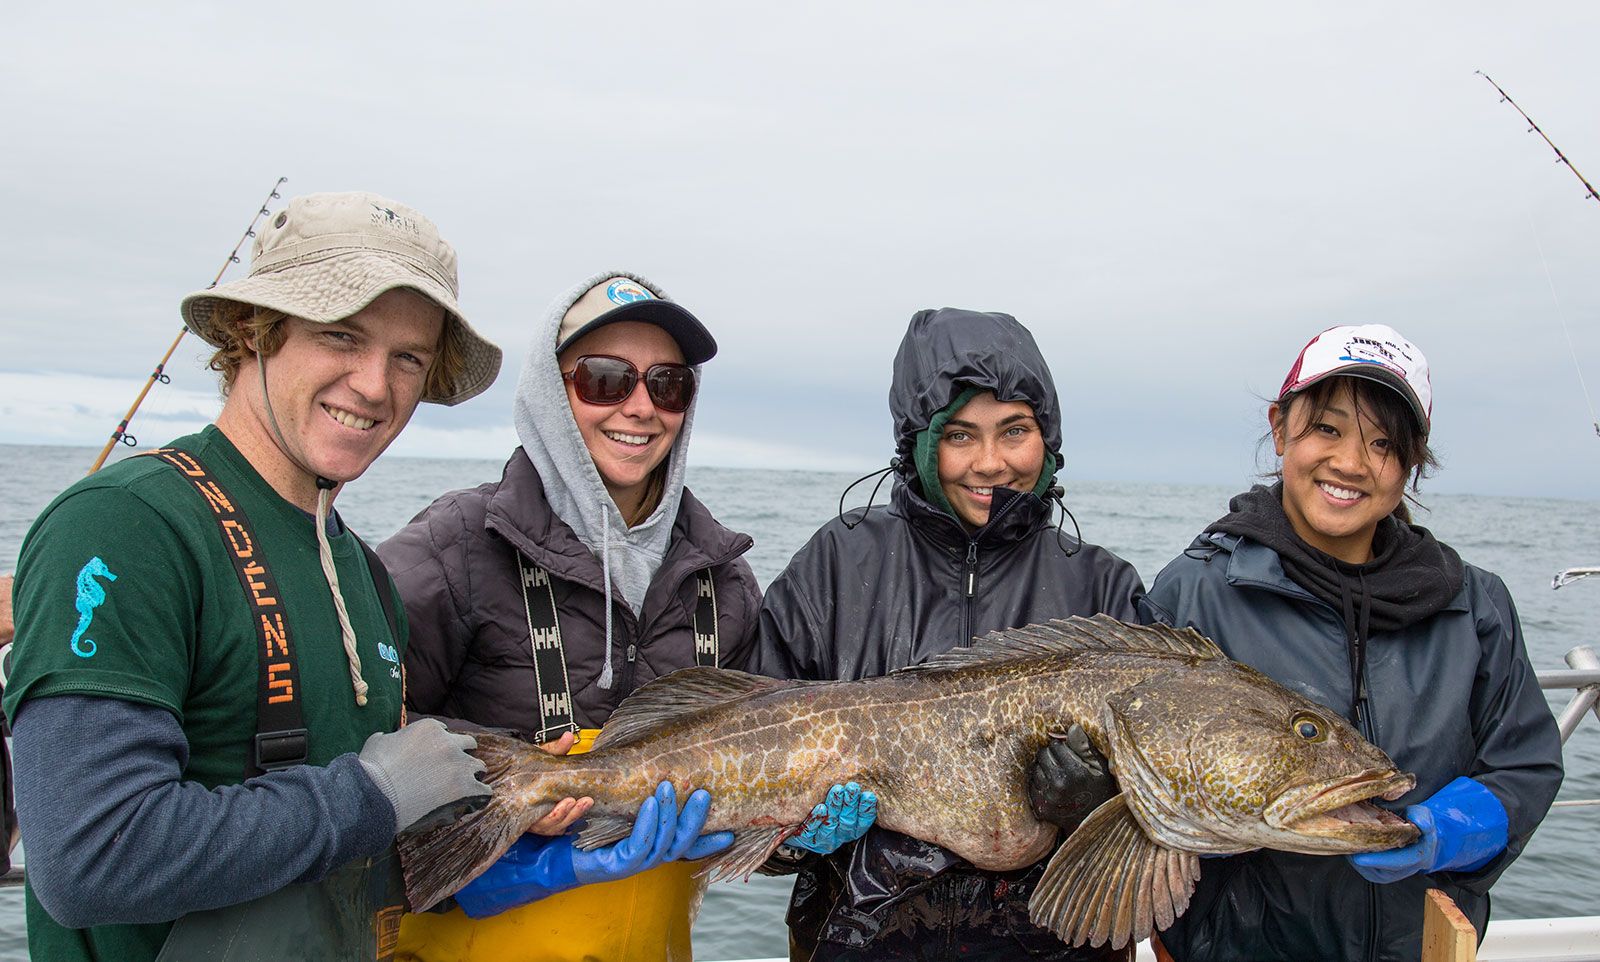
(969,581)
(969,584)
(631,653)
(1364,725)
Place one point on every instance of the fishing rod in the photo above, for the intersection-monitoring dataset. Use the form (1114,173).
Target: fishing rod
(1560,158)
(121,432)
(1534,129)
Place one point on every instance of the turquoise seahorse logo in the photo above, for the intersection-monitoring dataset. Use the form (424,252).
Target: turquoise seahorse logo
(90,597)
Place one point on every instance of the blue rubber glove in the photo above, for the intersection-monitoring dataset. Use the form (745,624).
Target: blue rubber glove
(1463,828)
(536,867)
(844,817)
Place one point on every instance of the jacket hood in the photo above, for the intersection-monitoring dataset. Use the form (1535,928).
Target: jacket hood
(947,348)
(550,438)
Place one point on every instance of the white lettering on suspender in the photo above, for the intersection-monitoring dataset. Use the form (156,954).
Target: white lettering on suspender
(545,639)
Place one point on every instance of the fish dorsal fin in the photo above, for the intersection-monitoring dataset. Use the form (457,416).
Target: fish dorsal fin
(1108,882)
(682,692)
(1099,633)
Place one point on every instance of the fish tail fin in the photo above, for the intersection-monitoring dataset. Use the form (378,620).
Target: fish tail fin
(439,861)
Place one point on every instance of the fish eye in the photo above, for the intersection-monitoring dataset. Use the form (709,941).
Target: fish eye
(1309,727)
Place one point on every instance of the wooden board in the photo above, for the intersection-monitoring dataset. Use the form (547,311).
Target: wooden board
(1447,936)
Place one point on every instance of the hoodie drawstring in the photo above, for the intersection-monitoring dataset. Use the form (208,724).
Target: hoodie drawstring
(324,550)
(1357,626)
(605,567)
(882,475)
(1058,494)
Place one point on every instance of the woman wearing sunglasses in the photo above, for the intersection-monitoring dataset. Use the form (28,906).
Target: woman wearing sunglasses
(540,601)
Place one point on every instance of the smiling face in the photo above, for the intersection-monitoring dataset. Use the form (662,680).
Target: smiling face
(988,444)
(629,440)
(1341,473)
(340,393)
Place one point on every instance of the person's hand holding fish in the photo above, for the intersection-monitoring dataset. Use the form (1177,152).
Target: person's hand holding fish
(537,867)
(1463,827)
(844,816)
(568,810)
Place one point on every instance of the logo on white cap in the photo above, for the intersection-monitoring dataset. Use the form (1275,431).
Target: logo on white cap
(1347,350)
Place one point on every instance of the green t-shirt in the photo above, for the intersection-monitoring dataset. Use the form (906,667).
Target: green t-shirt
(125,589)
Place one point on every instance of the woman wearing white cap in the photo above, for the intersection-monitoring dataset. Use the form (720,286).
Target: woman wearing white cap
(1322,583)
(206,686)
(540,601)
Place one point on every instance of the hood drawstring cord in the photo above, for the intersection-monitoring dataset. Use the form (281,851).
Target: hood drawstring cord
(324,550)
(1356,628)
(605,567)
(882,474)
(1057,494)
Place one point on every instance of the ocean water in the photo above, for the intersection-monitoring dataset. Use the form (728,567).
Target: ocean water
(1524,540)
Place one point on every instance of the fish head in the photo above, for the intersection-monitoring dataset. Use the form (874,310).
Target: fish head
(1215,757)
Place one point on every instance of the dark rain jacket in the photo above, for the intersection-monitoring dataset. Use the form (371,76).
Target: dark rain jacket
(907,583)
(1451,695)
(455,566)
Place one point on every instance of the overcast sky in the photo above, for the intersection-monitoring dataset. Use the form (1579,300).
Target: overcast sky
(1173,196)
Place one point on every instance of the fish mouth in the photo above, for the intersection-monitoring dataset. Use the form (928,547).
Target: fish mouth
(1337,814)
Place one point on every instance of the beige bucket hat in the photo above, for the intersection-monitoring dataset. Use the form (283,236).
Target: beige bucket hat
(326,256)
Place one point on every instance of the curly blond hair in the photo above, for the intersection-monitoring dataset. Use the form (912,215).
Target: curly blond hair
(242,325)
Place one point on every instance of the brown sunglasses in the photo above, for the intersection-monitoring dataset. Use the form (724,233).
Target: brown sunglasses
(603,379)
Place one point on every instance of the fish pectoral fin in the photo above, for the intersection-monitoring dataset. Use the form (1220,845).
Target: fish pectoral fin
(603,830)
(1108,882)
(750,849)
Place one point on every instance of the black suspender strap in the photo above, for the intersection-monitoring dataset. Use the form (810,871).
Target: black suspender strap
(549,660)
(390,605)
(380,581)
(549,657)
(281,739)
(705,620)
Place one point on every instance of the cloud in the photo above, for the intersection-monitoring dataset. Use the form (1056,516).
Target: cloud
(1172,196)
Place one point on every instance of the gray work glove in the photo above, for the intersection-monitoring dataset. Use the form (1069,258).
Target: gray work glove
(1069,779)
(422,769)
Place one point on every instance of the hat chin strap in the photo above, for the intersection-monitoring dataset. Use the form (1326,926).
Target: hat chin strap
(324,549)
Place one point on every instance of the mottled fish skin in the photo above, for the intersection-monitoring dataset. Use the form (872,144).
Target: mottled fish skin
(1211,756)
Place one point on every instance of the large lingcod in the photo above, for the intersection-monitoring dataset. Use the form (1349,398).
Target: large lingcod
(1211,757)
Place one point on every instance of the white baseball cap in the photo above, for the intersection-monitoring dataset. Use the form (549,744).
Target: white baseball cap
(1376,352)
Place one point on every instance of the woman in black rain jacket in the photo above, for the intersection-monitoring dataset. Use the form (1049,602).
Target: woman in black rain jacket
(966,546)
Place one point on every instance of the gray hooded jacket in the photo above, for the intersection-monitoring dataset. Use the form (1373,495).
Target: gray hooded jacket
(625,598)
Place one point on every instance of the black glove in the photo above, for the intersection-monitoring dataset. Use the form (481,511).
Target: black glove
(1069,779)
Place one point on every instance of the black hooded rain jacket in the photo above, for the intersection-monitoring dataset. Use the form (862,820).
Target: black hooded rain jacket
(899,586)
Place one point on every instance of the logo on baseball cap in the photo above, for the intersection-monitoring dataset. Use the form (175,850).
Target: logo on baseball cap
(1376,352)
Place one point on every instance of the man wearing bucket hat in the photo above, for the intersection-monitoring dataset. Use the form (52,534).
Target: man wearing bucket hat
(206,692)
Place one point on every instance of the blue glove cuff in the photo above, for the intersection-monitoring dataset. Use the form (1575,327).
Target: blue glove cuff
(1471,824)
(535,867)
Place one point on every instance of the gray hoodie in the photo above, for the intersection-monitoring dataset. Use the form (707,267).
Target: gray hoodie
(549,435)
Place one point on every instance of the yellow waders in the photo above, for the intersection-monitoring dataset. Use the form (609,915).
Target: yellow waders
(645,917)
